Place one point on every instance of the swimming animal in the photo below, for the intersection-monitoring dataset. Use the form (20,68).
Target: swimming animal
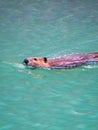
(62,62)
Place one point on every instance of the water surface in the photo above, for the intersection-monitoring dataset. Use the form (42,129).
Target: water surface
(42,99)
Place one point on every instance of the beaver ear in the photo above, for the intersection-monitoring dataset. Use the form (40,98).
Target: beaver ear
(45,59)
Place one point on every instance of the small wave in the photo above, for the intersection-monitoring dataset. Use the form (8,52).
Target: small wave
(91,66)
(21,66)
(77,113)
(17,65)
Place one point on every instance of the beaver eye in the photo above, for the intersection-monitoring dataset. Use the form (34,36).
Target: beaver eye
(35,59)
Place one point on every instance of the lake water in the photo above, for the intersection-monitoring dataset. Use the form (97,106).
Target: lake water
(43,99)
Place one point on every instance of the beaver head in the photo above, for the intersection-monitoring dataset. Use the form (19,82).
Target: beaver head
(36,62)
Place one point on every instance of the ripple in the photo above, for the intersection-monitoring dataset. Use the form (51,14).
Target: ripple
(91,66)
(77,113)
(17,65)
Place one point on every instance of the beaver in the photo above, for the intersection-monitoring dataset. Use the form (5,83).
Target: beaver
(62,62)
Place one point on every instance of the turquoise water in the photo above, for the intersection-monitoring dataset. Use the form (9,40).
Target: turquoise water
(42,99)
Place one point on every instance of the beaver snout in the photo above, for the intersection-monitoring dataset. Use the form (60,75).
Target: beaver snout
(25,61)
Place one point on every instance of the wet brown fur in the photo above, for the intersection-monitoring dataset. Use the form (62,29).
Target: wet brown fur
(63,62)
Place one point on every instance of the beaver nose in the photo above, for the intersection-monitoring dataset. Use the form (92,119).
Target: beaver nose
(26,61)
